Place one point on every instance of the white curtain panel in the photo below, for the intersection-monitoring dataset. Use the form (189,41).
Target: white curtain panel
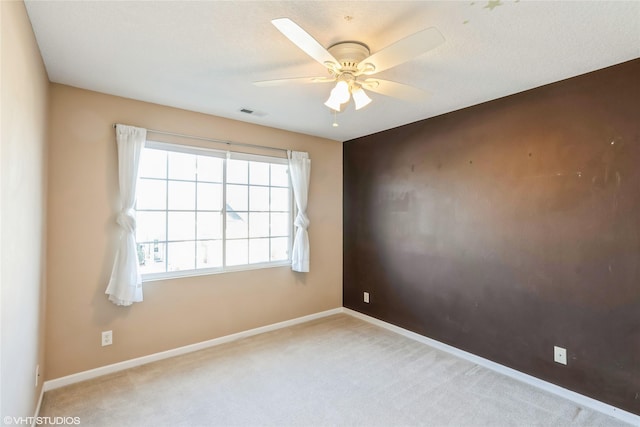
(125,285)
(299,170)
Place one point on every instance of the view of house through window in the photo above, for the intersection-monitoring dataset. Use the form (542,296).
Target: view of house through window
(199,210)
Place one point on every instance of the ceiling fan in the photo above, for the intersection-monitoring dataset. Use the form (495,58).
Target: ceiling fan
(350,64)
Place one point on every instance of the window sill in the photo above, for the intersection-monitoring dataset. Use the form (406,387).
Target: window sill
(155,277)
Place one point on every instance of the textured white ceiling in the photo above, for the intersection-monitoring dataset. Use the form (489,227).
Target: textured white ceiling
(203,56)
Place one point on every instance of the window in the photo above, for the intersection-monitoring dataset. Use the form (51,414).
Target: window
(201,211)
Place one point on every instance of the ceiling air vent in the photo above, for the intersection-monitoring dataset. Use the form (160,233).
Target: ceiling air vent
(252,112)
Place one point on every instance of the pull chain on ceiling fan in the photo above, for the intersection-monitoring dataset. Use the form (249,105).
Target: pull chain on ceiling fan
(348,62)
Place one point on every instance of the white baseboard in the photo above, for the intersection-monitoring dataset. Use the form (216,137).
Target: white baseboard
(512,373)
(108,369)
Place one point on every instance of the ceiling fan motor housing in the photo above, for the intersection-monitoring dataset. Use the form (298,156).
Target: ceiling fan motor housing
(349,54)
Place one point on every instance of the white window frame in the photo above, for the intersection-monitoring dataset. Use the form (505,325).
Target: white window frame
(226,155)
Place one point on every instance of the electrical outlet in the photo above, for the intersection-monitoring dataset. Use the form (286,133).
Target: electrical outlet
(37,374)
(107,338)
(366,297)
(560,355)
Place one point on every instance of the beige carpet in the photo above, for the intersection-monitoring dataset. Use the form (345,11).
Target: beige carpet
(336,371)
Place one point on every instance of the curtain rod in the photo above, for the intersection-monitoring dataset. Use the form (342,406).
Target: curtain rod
(219,141)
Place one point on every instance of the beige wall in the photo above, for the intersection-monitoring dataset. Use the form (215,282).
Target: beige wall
(23,101)
(82,236)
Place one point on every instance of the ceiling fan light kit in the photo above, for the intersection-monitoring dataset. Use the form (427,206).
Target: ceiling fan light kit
(346,61)
(346,88)
(341,94)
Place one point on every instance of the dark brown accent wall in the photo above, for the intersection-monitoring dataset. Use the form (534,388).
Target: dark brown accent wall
(509,227)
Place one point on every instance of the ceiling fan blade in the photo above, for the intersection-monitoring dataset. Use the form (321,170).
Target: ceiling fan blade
(304,41)
(395,90)
(403,50)
(297,80)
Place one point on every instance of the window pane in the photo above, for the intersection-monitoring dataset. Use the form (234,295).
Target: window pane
(181,256)
(237,199)
(237,225)
(209,197)
(280,224)
(210,168)
(182,195)
(151,194)
(153,164)
(151,257)
(258,250)
(182,225)
(279,249)
(279,175)
(280,199)
(150,226)
(259,224)
(237,171)
(181,209)
(209,225)
(259,173)
(209,254)
(237,252)
(259,198)
(182,166)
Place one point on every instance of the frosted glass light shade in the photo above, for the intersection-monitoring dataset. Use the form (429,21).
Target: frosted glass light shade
(332,103)
(339,95)
(342,92)
(360,98)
